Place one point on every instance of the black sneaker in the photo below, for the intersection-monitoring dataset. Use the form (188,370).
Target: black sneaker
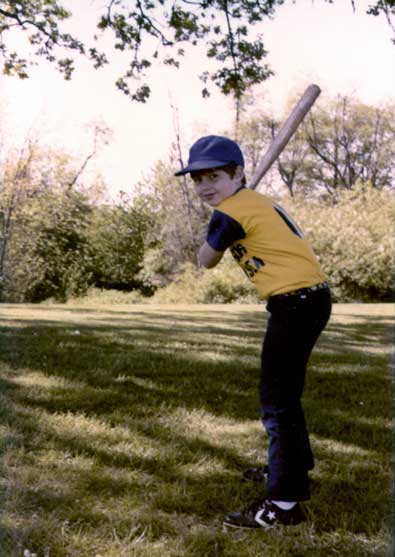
(264,514)
(257,475)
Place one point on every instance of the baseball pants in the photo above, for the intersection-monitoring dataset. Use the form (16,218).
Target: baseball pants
(295,323)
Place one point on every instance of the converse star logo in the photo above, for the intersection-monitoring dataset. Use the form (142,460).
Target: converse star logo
(260,518)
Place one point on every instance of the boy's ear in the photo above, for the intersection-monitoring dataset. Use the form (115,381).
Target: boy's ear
(239,173)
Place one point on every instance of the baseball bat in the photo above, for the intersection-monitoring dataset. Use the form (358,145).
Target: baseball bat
(286,132)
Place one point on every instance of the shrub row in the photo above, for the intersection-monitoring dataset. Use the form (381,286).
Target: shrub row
(352,236)
(354,240)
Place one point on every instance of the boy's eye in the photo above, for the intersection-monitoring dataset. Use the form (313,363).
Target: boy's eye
(197,178)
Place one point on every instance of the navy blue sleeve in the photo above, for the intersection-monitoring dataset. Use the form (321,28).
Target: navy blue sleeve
(223,231)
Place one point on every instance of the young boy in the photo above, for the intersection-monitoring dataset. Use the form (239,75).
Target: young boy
(271,250)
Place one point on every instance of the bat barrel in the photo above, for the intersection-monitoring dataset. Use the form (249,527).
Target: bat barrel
(286,132)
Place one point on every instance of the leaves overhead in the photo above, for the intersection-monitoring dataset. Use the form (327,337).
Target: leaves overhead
(222,25)
(148,31)
(41,19)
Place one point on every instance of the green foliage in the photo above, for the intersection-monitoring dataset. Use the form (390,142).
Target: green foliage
(354,239)
(158,269)
(44,251)
(74,246)
(55,241)
(59,262)
(41,20)
(117,237)
(99,296)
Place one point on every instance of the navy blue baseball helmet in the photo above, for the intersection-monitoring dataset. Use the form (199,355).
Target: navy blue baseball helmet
(212,151)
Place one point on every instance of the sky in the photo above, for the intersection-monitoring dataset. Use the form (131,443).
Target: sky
(343,51)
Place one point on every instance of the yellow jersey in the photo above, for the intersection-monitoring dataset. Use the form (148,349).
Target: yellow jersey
(266,243)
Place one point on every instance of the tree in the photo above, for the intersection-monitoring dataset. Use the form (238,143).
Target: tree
(46,253)
(16,187)
(387,8)
(341,142)
(27,172)
(350,142)
(41,19)
(62,243)
(117,236)
(61,254)
(184,186)
(223,26)
(255,133)
(178,226)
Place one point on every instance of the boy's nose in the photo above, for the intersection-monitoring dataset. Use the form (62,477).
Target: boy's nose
(204,182)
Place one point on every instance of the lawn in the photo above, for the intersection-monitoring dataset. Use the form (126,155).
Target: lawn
(124,431)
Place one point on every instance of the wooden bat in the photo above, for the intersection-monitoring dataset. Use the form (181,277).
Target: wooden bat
(286,132)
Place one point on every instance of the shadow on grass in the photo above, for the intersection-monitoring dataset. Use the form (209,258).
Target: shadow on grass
(136,367)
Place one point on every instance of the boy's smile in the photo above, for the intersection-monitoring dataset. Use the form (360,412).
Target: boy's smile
(215,185)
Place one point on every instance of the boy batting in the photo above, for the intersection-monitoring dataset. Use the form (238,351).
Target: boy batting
(270,248)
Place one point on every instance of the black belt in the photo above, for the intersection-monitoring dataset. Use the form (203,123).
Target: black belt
(303,291)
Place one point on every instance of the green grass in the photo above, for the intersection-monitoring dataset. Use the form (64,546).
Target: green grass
(124,431)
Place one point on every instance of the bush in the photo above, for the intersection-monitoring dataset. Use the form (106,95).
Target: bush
(49,255)
(98,296)
(353,238)
(223,285)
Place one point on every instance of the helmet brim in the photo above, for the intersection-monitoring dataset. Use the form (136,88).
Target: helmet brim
(201,165)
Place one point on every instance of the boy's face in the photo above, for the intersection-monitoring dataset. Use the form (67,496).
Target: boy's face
(215,185)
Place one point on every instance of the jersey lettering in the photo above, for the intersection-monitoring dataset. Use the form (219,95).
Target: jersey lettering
(250,266)
(238,250)
(258,262)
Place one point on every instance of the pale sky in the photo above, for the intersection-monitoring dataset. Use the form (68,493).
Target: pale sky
(308,42)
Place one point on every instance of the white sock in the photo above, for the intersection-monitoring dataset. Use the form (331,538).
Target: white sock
(285,505)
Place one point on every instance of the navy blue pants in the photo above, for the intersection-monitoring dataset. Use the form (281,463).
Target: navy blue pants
(293,328)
